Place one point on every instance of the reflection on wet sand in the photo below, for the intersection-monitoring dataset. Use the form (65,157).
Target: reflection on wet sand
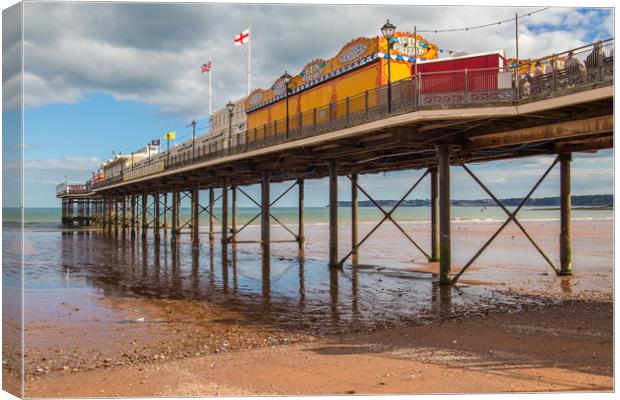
(296,292)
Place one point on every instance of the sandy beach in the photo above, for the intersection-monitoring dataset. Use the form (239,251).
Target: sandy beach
(541,350)
(157,322)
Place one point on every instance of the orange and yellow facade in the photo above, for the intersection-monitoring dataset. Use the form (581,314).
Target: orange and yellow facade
(359,66)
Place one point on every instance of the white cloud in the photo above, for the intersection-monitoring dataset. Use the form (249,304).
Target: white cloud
(152,52)
(54,171)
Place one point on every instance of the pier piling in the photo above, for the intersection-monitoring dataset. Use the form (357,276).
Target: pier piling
(177,232)
(565,215)
(63,211)
(444,214)
(333,214)
(156,221)
(116,213)
(195,218)
(175,219)
(165,224)
(234,214)
(354,220)
(434,214)
(133,216)
(225,222)
(109,213)
(123,213)
(300,227)
(144,214)
(211,201)
(265,210)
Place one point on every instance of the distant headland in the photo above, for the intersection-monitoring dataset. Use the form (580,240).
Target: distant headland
(603,201)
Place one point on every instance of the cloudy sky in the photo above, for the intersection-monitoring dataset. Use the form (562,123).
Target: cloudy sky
(103,77)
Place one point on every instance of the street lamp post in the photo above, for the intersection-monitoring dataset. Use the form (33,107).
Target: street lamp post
(230,107)
(286,79)
(388,32)
(193,125)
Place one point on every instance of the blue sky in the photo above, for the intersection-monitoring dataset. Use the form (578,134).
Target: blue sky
(118,75)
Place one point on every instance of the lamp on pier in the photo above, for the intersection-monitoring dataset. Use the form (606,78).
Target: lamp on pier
(230,107)
(388,31)
(286,79)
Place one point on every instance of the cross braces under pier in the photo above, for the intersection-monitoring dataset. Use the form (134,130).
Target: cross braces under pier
(141,212)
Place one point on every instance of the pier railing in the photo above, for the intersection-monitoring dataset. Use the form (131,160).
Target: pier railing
(65,188)
(579,69)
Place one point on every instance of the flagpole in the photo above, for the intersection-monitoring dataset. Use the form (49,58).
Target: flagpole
(210,109)
(415,48)
(249,57)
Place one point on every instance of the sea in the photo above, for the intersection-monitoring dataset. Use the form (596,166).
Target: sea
(390,284)
(49,217)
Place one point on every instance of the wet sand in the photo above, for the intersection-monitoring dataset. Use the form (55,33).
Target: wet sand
(145,320)
(542,350)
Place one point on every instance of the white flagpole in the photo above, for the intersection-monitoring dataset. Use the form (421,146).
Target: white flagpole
(249,57)
(210,109)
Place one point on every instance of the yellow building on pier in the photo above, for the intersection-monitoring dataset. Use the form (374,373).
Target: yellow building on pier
(359,66)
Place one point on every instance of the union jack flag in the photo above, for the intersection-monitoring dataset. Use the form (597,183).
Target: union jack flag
(205,67)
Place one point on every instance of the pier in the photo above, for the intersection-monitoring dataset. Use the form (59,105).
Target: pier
(404,125)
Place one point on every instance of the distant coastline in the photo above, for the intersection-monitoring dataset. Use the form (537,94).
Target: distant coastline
(585,202)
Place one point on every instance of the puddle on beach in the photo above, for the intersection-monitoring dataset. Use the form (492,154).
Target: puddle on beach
(97,297)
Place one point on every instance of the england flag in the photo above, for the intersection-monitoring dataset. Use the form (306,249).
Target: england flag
(242,38)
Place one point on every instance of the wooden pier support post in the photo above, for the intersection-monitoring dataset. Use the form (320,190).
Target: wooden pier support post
(144,214)
(174,216)
(109,213)
(211,200)
(225,221)
(354,219)
(195,218)
(102,213)
(77,212)
(74,211)
(87,221)
(434,214)
(90,212)
(178,215)
(566,250)
(123,213)
(156,222)
(83,212)
(165,225)
(444,214)
(333,214)
(264,218)
(96,212)
(63,211)
(234,214)
(116,213)
(300,229)
(133,216)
